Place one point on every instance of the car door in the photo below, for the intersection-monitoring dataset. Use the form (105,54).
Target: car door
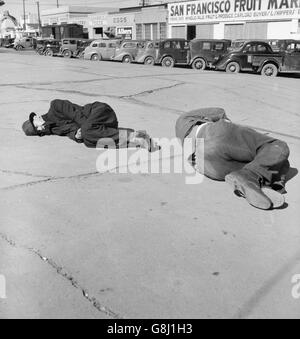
(292,57)
(111,50)
(180,54)
(247,55)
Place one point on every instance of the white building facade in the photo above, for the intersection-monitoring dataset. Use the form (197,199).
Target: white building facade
(235,19)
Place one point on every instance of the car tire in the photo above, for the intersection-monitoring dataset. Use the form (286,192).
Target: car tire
(127,59)
(269,70)
(168,62)
(95,57)
(199,64)
(149,61)
(18,48)
(49,53)
(67,54)
(233,67)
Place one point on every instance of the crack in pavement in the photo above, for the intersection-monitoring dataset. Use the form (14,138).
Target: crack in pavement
(66,275)
(50,179)
(26,174)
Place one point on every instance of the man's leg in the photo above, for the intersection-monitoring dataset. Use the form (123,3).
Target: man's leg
(228,149)
(271,163)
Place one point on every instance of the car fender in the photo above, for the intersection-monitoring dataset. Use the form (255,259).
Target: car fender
(165,56)
(269,61)
(198,57)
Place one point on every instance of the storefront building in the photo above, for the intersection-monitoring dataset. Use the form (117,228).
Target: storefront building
(151,23)
(235,19)
(103,25)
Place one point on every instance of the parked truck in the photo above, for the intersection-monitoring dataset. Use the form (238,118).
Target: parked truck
(258,57)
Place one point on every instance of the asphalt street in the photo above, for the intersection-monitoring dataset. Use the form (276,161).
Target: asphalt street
(76,243)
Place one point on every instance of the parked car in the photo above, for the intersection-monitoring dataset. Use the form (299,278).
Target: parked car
(52,48)
(147,54)
(82,44)
(10,43)
(101,50)
(128,50)
(173,52)
(291,58)
(41,45)
(73,47)
(24,43)
(205,53)
(258,56)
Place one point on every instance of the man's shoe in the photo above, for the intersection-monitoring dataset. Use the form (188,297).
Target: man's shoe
(277,198)
(247,185)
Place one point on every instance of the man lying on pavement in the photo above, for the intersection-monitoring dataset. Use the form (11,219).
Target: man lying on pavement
(254,164)
(91,124)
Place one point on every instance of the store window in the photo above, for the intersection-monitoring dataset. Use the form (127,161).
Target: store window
(154,31)
(98,30)
(148,32)
(162,30)
(139,32)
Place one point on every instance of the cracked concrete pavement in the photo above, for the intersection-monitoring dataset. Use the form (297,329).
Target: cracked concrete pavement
(75,243)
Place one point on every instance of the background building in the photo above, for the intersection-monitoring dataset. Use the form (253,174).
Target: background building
(234,19)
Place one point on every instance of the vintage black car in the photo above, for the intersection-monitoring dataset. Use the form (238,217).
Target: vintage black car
(258,56)
(52,48)
(251,56)
(173,52)
(205,53)
(73,47)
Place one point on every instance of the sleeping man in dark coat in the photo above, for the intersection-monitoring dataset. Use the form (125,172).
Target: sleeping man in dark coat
(91,124)
(255,165)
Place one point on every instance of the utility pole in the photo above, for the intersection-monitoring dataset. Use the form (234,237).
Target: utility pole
(57,3)
(24,16)
(39,16)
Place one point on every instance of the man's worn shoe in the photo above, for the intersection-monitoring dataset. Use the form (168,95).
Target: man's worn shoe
(277,198)
(247,185)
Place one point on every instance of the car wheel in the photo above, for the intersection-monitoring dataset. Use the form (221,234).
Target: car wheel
(49,53)
(269,70)
(199,64)
(19,48)
(149,61)
(127,59)
(95,57)
(67,54)
(233,67)
(168,62)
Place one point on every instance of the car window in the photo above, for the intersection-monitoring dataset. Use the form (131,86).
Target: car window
(95,45)
(297,47)
(176,45)
(219,46)
(206,46)
(250,48)
(167,44)
(112,45)
(102,45)
(129,45)
(262,48)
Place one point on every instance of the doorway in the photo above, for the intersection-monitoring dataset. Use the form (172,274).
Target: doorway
(191,32)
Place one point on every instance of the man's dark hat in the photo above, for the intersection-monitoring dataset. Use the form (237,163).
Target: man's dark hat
(28,126)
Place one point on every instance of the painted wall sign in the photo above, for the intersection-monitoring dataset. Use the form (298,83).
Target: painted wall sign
(232,10)
(125,32)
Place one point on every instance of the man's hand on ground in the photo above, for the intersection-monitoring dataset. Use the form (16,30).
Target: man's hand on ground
(78,135)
